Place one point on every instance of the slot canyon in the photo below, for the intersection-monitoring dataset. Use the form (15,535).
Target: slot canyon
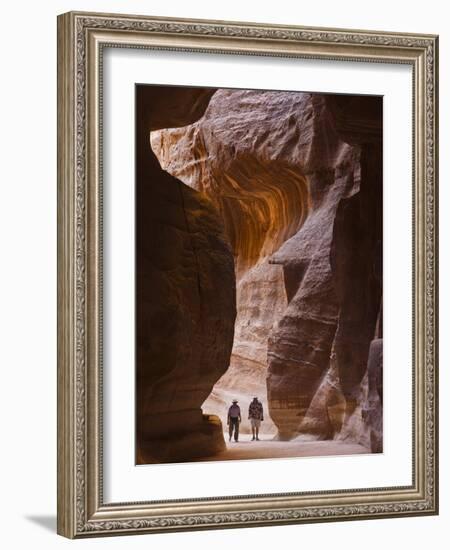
(258,268)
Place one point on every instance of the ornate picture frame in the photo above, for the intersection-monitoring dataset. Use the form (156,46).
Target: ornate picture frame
(82,38)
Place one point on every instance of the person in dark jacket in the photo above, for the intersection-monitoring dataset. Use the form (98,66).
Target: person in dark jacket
(234,419)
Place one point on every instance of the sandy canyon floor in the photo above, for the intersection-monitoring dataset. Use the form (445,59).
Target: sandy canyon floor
(268,448)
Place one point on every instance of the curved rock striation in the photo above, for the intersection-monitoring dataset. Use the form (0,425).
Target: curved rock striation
(262,197)
(296,180)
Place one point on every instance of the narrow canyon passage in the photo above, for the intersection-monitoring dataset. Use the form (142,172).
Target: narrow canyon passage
(262,203)
(268,247)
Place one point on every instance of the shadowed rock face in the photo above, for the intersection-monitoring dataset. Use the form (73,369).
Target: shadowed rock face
(170,106)
(184,318)
(373,412)
(356,259)
(296,180)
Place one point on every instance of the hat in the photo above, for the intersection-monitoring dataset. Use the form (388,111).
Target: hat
(235,400)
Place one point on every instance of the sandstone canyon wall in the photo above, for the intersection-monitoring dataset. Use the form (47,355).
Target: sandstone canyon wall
(184,319)
(295,179)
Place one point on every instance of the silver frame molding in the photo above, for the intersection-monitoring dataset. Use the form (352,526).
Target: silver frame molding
(81,510)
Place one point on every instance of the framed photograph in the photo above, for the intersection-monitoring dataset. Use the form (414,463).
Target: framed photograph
(247,289)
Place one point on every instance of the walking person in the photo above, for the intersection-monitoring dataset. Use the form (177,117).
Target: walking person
(256,416)
(233,420)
